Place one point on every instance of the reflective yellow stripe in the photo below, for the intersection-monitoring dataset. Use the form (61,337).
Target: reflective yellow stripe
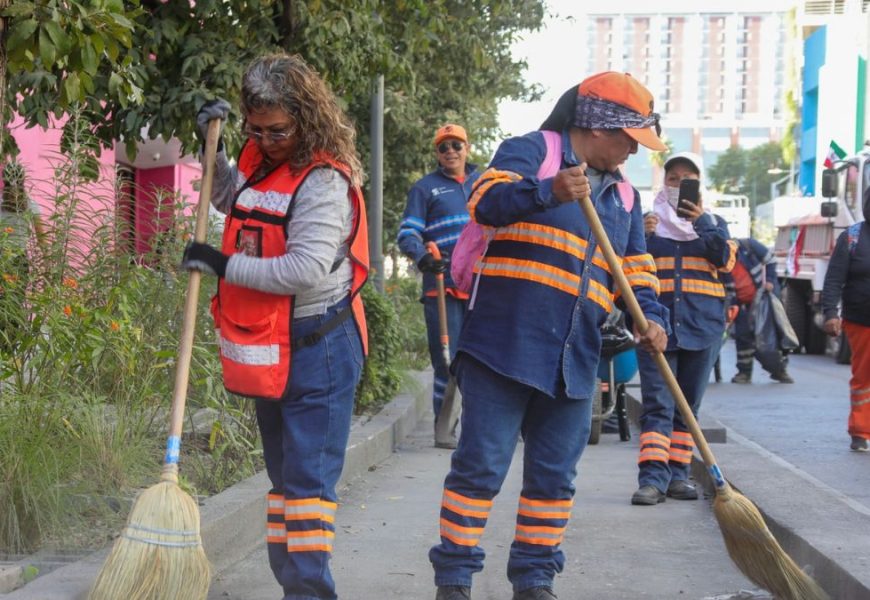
(643,280)
(245,354)
(276,534)
(539,535)
(274,504)
(682,437)
(732,257)
(638,262)
(464,536)
(699,286)
(600,295)
(697,263)
(654,437)
(681,456)
(309,508)
(532,271)
(316,540)
(489,178)
(545,509)
(465,506)
(544,235)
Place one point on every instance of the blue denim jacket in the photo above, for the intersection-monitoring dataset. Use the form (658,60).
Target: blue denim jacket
(544,289)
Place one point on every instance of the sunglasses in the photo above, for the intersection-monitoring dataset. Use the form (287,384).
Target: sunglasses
(443,147)
(273,136)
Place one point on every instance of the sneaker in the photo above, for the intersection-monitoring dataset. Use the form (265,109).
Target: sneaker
(742,378)
(647,495)
(859,444)
(453,592)
(537,593)
(682,490)
(782,377)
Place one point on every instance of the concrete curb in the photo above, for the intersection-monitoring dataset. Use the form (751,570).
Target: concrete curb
(232,522)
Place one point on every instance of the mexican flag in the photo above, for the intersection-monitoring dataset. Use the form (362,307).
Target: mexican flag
(834,153)
(792,264)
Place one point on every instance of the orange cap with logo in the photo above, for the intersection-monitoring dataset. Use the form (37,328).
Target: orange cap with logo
(450,131)
(625,90)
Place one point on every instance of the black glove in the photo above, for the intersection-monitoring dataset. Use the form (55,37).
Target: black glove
(213,109)
(204,258)
(428,264)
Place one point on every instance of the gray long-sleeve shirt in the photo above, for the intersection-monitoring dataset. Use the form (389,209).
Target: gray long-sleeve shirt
(317,236)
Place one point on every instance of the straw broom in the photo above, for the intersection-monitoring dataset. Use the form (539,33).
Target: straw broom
(159,555)
(750,543)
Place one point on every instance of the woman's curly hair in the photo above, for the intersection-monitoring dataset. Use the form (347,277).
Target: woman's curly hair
(287,82)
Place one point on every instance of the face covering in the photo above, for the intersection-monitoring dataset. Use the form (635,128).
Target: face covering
(673,196)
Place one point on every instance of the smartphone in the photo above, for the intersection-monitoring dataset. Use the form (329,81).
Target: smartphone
(690,190)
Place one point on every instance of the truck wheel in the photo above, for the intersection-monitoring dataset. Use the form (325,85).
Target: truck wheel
(595,430)
(796,310)
(844,351)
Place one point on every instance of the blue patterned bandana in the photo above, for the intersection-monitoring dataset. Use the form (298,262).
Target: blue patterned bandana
(595,113)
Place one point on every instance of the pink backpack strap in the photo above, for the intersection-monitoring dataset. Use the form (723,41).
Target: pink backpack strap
(553,159)
(626,194)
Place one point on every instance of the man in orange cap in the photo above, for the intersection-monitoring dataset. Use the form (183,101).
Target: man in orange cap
(528,355)
(436,212)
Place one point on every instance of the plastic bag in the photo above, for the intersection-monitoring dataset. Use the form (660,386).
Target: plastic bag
(773,332)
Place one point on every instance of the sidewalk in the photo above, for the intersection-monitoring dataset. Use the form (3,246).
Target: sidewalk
(388,519)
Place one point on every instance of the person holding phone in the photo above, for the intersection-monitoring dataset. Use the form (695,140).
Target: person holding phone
(690,248)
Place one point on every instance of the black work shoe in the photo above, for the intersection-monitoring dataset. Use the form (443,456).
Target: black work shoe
(782,377)
(537,593)
(859,444)
(682,490)
(742,378)
(453,592)
(647,495)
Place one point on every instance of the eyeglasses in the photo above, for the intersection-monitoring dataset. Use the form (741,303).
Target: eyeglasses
(443,147)
(273,136)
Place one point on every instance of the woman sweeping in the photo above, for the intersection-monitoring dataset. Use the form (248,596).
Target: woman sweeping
(288,311)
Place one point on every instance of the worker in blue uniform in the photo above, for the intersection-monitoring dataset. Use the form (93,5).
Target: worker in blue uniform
(690,248)
(529,350)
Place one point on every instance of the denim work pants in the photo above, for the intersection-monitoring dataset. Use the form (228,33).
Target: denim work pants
(455,316)
(495,410)
(304,439)
(661,416)
(744,341)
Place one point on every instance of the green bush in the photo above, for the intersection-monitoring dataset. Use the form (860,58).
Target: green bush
(382,373)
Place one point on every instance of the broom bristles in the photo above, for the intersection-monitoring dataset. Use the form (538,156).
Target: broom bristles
(159,556)
(756,552)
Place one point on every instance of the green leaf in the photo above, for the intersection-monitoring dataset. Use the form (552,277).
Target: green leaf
(61,40)
(72,88)
(47,50)
(89,59)
(18,9)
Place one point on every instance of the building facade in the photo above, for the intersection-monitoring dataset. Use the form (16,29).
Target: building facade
(717,70)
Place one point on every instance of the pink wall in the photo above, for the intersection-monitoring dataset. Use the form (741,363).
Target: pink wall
(153,193)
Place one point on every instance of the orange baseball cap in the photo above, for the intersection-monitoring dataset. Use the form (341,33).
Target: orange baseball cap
(450,131)
(625,90)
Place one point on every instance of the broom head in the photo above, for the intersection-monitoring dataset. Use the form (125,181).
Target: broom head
(159,556)
(756,552)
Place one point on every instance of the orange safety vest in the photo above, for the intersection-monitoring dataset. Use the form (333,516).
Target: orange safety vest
(254,327)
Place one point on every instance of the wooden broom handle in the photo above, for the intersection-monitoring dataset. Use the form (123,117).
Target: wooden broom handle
(442,304)
(185,347)
(642,325)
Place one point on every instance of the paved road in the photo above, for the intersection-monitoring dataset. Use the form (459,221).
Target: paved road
(802,423)
(388,520)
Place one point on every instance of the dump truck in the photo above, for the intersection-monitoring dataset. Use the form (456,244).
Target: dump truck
(804,246)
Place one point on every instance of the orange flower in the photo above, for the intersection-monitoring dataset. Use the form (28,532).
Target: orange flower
(67,310)
(10,278)
(70,283)
(9,230)
(115,326)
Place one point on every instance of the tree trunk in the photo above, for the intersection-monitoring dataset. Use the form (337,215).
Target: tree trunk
(4,22)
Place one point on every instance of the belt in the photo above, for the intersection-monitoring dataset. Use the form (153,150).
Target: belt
(318,334)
